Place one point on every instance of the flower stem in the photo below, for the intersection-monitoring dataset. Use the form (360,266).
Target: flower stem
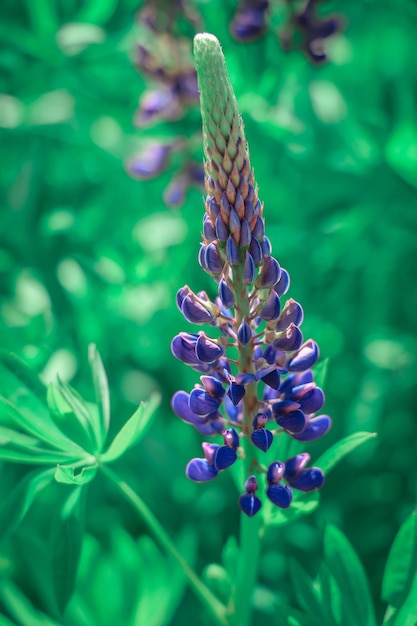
(247,571)
(213,605)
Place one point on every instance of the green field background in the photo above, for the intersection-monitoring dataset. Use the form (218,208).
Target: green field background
(89,254)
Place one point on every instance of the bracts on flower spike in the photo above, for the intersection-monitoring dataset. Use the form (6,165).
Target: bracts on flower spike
(268,391)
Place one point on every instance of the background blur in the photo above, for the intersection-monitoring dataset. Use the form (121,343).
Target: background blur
(89,253)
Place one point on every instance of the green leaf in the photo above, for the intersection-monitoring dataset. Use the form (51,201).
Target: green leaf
(101,388)
(303,504)
(74,476)
(97,11)
(132,431)
(17,503)
(407,613)
(80,410)
(346,569)
(65,545)
(401,566)
(287,616)
(20,607)
(339,450)
(67,421)
(306,593)
(15,375)
(35,456)
(38,425)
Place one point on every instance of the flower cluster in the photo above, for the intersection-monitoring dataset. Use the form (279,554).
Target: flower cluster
(250,22)
(256,342)
(164,57)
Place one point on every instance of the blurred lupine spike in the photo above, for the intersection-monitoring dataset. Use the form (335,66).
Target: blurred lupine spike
(255,341)
(249,21)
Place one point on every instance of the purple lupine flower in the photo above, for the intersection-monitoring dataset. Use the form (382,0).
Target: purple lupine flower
(247,319)
(249,21)
(316,31)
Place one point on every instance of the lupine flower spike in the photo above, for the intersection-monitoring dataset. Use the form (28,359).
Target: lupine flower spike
(246,320)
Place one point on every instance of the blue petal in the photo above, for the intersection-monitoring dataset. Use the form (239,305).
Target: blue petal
(249,269)
(258,231)
(291,339)
(272,379)
(213,386)
(291,313)
(232,253)
(236,393)
(209,229)
(275,472)
(224,457)
(271,308)
(293,422)
(207,351)
(313,401)
(244,333)
(283,284)
(182,294)
(251,485)
(249,504)
(266,246)
(279,409)
(231,438)
(200,470)
(256,251)
(183,348)
(194,312)
(180,406)
(202,258)
(245,379)
(270,273)
(202,403)
(245,234)
(226,294)
(222,231)
(308,480)
(280,495)
(212,207)
(305,357)
(316,428)
(213,259)
(262,439)
(295,464)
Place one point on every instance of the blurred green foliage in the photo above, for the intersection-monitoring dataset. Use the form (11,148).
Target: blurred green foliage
(88,254)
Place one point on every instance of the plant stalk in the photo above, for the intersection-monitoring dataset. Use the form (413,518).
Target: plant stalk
(213,605)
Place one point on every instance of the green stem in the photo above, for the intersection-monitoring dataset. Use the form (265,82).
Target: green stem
(216,608)
(247,571)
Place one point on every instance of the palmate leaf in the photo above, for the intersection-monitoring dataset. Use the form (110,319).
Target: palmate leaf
(132,431)
(399,586)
